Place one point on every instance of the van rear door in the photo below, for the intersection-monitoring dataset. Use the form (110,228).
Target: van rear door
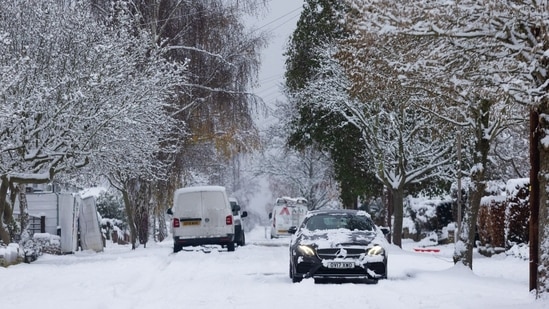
(190,214)
(281,220)
(203,214)
(215,212)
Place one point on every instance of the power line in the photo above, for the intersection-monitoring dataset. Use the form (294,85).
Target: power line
(276,19)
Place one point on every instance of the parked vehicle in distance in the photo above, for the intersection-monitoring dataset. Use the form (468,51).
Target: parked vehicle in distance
(202,216)
(239,235)
(287,212)
(337,244)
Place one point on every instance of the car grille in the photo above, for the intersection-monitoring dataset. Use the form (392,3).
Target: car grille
(354,272)
(332,253)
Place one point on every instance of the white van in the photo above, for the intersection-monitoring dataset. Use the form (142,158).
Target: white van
(239,236)
(286,213)
(202,216)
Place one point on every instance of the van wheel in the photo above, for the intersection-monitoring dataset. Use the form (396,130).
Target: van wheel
(230,246)
(242,241)
(177,248)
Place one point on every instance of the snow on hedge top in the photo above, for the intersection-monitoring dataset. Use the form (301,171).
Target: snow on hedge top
(488,200)
(514,185)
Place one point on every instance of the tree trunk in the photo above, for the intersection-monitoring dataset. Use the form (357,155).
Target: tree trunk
(543,224)
(131,220)
(4,234)
(466,239)
(389,217)
(398,208)
(142,196)
(23,213)
(162,227)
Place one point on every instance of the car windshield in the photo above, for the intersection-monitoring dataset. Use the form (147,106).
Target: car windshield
(339,221)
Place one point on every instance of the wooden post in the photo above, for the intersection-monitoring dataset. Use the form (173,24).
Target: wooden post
(458,227)
(42,224)
(390,215)
(534,197)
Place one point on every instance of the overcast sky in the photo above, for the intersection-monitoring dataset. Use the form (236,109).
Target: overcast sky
(280,21)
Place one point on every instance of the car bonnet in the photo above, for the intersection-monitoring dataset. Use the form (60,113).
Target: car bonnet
(335,238)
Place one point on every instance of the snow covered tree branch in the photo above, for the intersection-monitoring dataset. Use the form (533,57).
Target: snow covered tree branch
(506,43)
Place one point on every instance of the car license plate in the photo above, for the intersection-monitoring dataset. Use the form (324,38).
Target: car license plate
(341,265)
(187,223)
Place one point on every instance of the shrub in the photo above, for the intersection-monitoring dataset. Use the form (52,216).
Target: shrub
(39,244)
(491,225)
(518,212)
(503,220)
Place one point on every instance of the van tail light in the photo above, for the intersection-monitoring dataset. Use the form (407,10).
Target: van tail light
(229,220)
(176,222)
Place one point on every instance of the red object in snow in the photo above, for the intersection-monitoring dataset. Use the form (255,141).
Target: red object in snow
(426,250)
(285,211)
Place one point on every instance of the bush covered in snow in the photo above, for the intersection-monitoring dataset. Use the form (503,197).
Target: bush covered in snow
(424,216)
(491,224)
(503,219)
(9,254)
(114,223)
(518,212)
(39,244)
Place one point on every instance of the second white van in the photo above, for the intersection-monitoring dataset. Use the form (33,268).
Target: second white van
(202,216)
(286,213)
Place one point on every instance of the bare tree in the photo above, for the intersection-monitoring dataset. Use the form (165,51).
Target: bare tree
(223,60)
(401,141)
(514,36)
(82,92)
(456,88)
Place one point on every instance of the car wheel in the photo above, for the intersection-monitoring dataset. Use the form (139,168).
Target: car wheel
(177,248)
(230,246)
(385,273)
(294,278)
(290,271)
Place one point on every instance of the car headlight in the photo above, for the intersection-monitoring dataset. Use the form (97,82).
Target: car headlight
(306,250)
(376,250)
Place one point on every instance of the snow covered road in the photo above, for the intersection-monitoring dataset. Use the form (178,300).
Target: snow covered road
(256,276)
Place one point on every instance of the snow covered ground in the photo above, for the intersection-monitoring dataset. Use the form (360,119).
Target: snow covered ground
(256,276)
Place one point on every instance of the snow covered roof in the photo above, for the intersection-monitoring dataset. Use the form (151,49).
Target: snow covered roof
(200,189)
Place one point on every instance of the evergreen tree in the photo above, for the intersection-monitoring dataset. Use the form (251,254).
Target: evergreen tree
(110,206)
(319,26)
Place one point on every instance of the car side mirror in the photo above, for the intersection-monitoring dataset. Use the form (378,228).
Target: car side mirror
(292,230)
(244,214)
(169,211)
(385,230)
(270,215)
